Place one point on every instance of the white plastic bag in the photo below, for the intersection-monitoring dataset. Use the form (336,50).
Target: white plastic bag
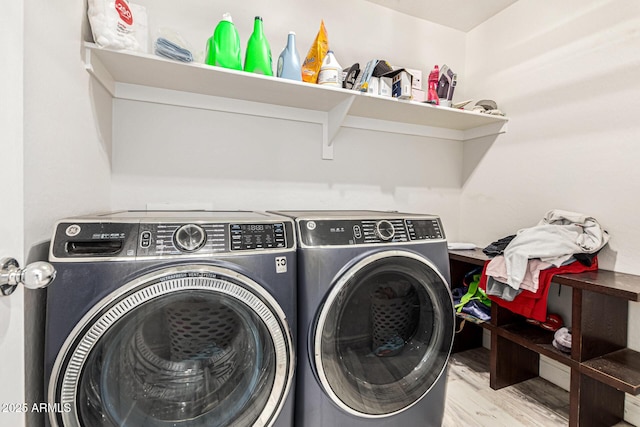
(114,25)
(140,26)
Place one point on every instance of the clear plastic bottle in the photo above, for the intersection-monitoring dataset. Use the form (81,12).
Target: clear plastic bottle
(289,66)
(258,55)
(330,72)
(223,48)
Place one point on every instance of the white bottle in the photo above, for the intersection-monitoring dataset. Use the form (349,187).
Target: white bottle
(330,72)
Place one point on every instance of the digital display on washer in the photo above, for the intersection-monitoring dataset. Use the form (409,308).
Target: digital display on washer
(257,236)
(424,229)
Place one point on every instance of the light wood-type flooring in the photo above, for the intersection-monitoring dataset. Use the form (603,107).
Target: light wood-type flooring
(472,403)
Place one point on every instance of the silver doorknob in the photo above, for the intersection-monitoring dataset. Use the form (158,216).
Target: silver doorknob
(34,276)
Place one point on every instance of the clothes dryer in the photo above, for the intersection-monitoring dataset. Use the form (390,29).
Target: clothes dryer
(376,319)
(172,319)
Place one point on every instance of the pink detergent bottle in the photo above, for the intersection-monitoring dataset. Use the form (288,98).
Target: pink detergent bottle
(432,94)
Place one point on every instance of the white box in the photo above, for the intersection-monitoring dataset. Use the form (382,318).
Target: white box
(401,83)
(419,95)
(386,86)
(417,78)
(374,85)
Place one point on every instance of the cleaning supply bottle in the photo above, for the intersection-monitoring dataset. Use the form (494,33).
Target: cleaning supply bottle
(258,55)
(432,94)
(330,71)
(289,61)
(223,48)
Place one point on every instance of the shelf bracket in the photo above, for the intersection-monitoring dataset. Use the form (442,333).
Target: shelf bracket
(331,125)
(96,68)
(486,130)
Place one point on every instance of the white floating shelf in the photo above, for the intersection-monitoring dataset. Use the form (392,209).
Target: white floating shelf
(143,77)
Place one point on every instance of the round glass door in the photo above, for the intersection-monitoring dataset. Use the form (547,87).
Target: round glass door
(384,334)
(183,347)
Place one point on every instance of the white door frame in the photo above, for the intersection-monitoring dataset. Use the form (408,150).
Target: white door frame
(12,371)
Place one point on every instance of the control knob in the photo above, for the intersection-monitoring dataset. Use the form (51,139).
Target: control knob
(190,237)
(384,230)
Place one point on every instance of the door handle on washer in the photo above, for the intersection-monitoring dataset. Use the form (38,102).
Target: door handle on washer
(36,275)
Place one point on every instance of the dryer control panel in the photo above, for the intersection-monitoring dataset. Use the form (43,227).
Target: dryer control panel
(340,232)
(121,241)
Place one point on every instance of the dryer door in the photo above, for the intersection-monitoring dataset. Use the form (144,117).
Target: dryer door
(384,334)
(185,346)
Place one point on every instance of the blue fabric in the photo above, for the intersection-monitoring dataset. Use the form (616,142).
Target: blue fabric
(171,50)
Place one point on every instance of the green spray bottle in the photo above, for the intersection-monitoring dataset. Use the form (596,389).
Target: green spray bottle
(223,48)
(258,55)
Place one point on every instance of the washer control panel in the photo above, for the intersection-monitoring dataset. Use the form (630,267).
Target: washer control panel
(332,232)
(257,236)
(90,240)
(176,239)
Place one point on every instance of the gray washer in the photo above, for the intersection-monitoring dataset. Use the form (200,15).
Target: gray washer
(376,319)
(172,319)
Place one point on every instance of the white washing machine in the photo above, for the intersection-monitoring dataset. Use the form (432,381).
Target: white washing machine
(375,319)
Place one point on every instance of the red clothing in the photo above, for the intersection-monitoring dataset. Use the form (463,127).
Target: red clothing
(534,305)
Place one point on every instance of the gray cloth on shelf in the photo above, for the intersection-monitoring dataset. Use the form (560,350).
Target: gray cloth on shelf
(501,290)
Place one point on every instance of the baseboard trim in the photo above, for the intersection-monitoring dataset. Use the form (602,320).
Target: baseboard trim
(632,409)
(555,372)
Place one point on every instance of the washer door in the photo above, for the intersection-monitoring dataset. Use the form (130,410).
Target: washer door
(384,334)
(184,346)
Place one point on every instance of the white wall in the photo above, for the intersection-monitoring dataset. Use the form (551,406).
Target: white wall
(230,161)
(566,73)
(200,158)
(67,131)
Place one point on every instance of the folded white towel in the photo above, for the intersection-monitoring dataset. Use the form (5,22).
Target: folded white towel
(455,246)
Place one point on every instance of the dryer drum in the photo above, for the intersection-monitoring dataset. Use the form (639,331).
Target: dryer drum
(192,371)
(194,325)
(189,387)
(185,388)
(393,317)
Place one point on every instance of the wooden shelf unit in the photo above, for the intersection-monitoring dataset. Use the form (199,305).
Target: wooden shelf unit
(602,367)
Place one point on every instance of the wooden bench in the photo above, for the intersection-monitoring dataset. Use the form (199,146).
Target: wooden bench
(602,367)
